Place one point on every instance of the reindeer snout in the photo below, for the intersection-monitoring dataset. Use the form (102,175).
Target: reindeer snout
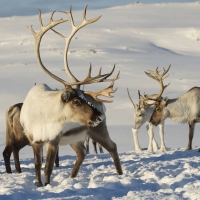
(96,121)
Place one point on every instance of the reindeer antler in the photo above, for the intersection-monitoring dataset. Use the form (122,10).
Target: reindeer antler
(38,36)
(89,79)
(131,98)
(159,78)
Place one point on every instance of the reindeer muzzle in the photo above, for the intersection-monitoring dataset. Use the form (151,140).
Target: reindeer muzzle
(99,116)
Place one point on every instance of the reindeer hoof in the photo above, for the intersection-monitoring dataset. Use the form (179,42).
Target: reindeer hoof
(138,150)
(46,184)
(38,184)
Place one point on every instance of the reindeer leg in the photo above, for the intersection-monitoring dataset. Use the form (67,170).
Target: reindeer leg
(150,130)
(37,150)
(100,148)
(80,150)
(6,154)
(87,144)
(95,146)
(191,134)
(16,150)
(100,134)
(16,158)
(52,150)
(57,158)
(135,137)
(161,133)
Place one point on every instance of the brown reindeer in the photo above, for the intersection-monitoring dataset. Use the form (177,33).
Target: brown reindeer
(66,116)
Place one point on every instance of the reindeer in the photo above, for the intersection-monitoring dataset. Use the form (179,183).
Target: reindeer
(184,109)
(65,116)
(142,114)
(143,111)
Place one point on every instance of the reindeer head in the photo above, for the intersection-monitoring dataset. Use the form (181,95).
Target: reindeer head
(143,110)
(140,111)
(82,103)
(159,113)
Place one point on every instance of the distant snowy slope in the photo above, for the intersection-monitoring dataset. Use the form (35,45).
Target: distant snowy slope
(26,8)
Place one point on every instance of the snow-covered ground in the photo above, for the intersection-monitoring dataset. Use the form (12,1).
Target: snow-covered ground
(136,37)
(171,175)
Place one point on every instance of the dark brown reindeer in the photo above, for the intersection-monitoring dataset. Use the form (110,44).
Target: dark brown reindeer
(183,110)
(15,138)
(62,117)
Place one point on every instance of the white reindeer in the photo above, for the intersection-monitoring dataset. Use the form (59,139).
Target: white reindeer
(66,116)
(184,110)
(142,114)
(143,111)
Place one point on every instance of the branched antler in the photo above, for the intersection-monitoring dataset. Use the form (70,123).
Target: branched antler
(105,92)
(144,98)
(68,39)
(38,36)
(89,79)
(159,78)
(131,98)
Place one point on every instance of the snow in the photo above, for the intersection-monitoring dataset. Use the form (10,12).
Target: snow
(134,36)
(173,175)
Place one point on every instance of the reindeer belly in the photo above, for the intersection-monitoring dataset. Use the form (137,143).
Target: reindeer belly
(72,136)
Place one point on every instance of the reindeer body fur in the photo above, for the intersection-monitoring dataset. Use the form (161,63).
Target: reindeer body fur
(182,110)
(36,116)
(38,122)
(185,109)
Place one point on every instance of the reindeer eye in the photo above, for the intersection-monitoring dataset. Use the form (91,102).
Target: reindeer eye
(157,109)
(76,102)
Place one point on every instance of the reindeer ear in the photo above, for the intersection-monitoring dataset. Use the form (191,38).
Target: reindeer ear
(166,99)
(65,96)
